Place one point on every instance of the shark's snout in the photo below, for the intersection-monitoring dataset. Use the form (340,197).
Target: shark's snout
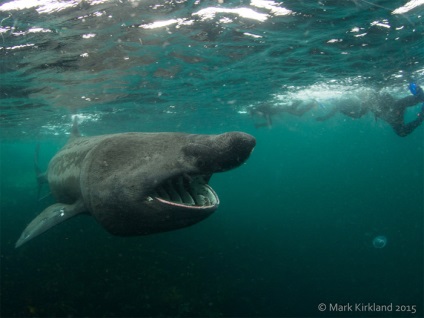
(237,147)
(220,152)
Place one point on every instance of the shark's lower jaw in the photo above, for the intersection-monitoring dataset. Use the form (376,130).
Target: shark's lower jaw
(190,192)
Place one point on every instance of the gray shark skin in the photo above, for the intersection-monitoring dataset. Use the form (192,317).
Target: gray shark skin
(139,183)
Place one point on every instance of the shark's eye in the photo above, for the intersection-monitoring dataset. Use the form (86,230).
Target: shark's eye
(200,163)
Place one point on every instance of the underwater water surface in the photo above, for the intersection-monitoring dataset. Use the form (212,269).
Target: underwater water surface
(295,232)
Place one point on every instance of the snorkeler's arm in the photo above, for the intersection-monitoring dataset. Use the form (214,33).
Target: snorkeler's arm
(408,101)
(269,120)
(404,130)
(299,108)
(330,114)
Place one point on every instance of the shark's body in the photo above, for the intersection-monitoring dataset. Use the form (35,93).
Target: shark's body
(139,183)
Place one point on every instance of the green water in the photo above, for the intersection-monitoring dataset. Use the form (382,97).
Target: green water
(293,236)
(294,230)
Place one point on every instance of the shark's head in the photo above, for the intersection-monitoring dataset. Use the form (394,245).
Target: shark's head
(137,184)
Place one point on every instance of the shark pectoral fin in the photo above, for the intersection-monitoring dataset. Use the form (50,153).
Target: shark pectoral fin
(54,214)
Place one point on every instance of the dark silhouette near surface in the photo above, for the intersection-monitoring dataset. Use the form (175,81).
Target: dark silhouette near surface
(267,110)
(353,107)
(393,111)
(383,106)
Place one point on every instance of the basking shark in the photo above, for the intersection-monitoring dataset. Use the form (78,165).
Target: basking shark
(138,183)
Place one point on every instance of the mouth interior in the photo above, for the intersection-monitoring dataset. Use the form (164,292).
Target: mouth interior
(187,191)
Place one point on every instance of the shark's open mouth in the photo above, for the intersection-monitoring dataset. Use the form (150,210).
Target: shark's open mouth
(187,191)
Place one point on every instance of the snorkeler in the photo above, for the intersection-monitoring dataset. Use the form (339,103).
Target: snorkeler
(267,110)
(353,107)
(393,111)
(385,107)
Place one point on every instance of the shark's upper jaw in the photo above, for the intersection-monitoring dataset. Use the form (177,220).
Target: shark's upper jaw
(186,191)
